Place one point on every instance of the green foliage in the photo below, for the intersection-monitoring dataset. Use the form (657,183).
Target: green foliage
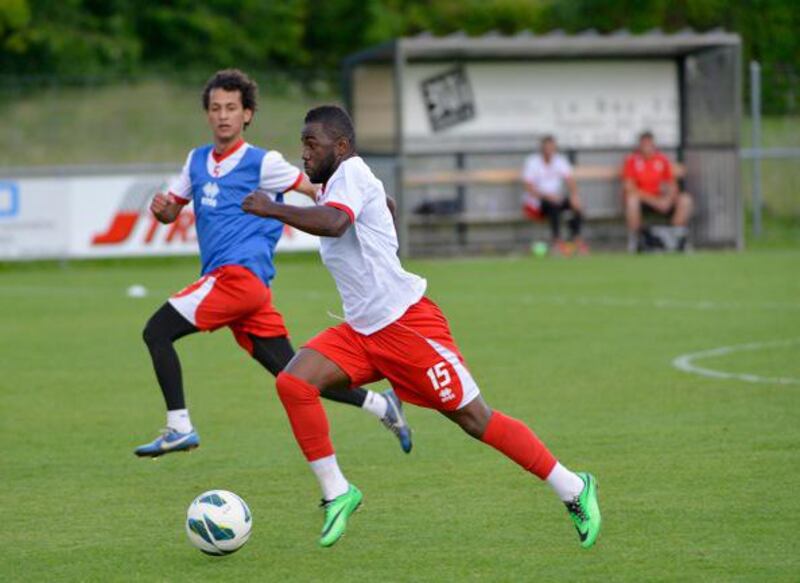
(96,37)
(221,33)
(13,14)
(70,37)
(472,16)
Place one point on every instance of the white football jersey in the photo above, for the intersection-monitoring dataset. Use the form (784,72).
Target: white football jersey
(374,287)
(547,178)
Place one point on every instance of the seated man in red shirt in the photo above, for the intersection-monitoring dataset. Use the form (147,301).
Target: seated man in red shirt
(649,185)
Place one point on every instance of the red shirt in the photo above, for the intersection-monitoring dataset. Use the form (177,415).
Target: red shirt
(648,173)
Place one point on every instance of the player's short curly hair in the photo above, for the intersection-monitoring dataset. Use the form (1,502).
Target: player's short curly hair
(335,122)
(233,80)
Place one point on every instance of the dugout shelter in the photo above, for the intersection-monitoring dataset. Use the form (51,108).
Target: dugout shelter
(446,123)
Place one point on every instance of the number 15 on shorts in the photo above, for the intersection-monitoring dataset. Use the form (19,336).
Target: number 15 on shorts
(441,379)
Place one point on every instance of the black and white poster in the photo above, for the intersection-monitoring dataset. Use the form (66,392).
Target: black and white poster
(448,98)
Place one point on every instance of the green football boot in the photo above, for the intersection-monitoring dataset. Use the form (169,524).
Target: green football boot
(584,510)
(337,511)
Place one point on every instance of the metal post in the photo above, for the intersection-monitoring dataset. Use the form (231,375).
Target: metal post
(738,94)
(403,210)
(755,119)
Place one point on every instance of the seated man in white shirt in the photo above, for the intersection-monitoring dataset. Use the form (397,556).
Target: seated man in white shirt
(548,178)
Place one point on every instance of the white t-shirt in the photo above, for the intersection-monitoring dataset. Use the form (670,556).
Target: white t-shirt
(277,175)
(547,178)
(374,287)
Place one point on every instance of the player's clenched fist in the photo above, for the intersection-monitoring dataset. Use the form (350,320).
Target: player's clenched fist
(162,207)
(258,204)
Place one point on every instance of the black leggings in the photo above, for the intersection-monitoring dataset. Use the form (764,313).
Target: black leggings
(167,325)
(553,213)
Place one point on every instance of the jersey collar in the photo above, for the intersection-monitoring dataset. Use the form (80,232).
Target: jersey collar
(220,157)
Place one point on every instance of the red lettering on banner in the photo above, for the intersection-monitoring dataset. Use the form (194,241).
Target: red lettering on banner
(151,231)
(120,229)
(123,225)
(181,227)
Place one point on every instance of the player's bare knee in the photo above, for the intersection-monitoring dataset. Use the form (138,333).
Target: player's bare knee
(315,368)
(472,426)
(473,418)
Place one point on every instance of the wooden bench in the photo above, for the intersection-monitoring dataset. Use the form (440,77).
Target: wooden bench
(605,219)
(499,176)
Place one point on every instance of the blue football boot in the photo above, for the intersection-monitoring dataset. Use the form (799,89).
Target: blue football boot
(395,421)
(169,441)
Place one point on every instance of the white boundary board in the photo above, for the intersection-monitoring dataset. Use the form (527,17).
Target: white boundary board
(102,216)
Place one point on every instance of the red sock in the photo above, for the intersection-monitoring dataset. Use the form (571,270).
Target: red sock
(306,416)
(518,442)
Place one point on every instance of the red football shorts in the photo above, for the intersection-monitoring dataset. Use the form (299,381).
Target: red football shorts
(417,354)
(533,213)
(231,296)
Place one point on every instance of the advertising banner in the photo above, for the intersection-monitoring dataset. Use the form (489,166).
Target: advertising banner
(33,218)
(102,216)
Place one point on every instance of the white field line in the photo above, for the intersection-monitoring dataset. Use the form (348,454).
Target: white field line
(661,304)
(686,362)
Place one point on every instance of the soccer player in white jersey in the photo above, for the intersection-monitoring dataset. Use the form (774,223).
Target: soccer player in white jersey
(236,252)
(391,330)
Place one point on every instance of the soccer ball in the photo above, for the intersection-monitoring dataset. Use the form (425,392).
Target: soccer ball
(539,249)
(218,522)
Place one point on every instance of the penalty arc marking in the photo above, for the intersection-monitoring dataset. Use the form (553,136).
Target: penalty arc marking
(686,362)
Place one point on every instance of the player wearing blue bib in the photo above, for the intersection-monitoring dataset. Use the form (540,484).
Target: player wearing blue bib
(236,253)
(226,235)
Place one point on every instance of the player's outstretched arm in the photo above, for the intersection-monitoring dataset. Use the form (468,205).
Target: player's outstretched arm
(165,208)
(324,221)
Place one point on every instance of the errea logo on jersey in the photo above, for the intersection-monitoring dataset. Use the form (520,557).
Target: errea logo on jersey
(210,192)
(446,395)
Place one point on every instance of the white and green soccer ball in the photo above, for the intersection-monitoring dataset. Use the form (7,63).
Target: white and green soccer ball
(218,522)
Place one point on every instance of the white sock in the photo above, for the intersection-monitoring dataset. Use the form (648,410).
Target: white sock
(179,420)
(567,485)
(633,242)
(376,404)
(331,480)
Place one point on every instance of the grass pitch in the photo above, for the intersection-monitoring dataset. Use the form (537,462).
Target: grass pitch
(697,474)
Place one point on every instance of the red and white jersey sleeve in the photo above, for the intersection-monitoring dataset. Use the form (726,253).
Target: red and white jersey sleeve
(277,175)
(345,191)
(375,289)
(181,187)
